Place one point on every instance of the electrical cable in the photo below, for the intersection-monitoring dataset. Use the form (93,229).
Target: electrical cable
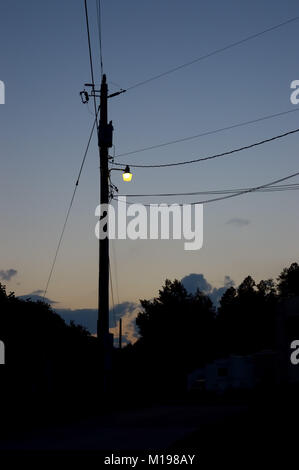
(221,129)
(69,208)
(245,191)
(282,187)
(210,54)
(99,21)
(217,155)
(90,56)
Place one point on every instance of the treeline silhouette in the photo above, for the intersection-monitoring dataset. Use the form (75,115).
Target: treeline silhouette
(49,365)
(53,368)
(180,332)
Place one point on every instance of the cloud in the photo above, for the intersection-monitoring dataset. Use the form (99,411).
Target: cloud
(35,297)
(8,274)
(120,310)
(238,222)
(192,282)
(129,312)
(87,317)
(217,293)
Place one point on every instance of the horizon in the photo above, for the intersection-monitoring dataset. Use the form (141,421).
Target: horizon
(43,74)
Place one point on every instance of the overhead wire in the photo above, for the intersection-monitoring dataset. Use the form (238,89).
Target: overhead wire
(90,56)
(239,193)
(210,54)
(211,157)
(171,164)
(282,187)
(84,156)
(202,134)
(69,207)
(99,22)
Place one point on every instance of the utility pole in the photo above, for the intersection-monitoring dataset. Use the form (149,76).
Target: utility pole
(120,333)
(105,130)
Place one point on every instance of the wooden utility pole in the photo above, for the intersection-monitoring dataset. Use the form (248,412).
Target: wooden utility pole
(105,130)
(120,334)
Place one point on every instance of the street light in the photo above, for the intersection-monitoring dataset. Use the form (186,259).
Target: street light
(127,175)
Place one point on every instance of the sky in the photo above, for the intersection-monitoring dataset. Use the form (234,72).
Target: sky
(44,129)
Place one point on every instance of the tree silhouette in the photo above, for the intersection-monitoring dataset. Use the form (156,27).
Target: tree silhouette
(288,281)
(246,318)
(178,324)
(176,334)
(180,332)
(45,357)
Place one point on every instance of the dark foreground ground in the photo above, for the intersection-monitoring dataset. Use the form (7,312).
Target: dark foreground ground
(255,433)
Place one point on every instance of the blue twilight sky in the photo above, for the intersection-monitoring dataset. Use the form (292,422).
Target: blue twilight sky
(44,130)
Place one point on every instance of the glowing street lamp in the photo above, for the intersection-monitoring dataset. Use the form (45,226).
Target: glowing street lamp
(127,175)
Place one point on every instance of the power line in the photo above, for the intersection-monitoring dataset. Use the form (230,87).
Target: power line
(217,155)
(99,21)
(210,54)
(215,131)
(282,187)
(90,56)
(245,191)
(69,208)
(117,85)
